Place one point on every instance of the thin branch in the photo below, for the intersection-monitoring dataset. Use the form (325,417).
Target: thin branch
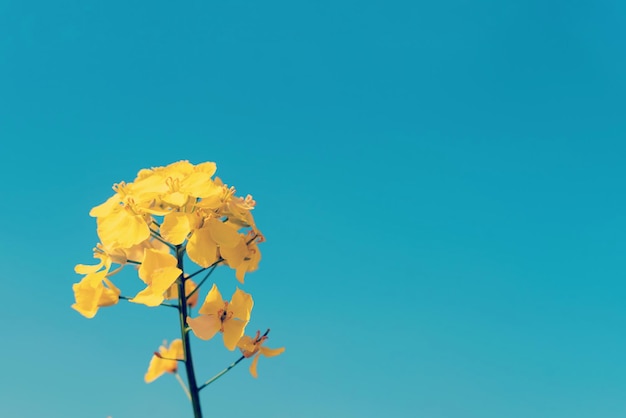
(183,385)
(211,269)
(169,305)
(226,370)
(204,269)
(220,374)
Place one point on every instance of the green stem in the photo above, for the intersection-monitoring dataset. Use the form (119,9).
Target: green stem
(226,370)
(182,384)
(220,374)
(182,309)
(203,280)
(169,305)
(195,273)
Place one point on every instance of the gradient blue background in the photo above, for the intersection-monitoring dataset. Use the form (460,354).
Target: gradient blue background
(441,185)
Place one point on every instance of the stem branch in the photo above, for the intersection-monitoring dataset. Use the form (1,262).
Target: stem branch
(182,310)
(220,374)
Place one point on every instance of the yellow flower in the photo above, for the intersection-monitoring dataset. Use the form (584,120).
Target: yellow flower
(104,264)
(119,224)
(165,360)
(158,270)
(177,184)
(125,218)
(91,293)
(254,347)
(202,246)
(229,318)
(245,256)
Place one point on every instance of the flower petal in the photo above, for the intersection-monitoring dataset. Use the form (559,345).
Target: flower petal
(122,229)
(201,248)
(148,297)
(223,234)
(271,352)
(205,326)
(199,185)
(176,350)
(213,302)
(241,305)
(154,261)
(176,226)
(233,330)
(253,366)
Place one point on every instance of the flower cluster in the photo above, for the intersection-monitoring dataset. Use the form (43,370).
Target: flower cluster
(154,222)
(177,205)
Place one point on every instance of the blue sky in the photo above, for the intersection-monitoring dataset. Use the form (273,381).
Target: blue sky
(441,185)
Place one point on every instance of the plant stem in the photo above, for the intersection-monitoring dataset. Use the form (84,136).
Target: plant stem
(220,374)
(182,308)
(169,305)
(182,384)
(203,280)
(205,268)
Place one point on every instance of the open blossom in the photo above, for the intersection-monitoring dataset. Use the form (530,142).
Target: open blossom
(245,256)
(254,347)
(165,360)
(159,271)
(94,291)
(213,234)
(217,315)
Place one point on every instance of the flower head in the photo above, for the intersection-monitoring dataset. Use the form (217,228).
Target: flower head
(254,347)
(165,360)
(94,291)
(159,271)
(217,315)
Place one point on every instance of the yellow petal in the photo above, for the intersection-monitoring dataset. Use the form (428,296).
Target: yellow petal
(213,302)
(148,297)
(176,350)
(109,297)
(162,279)
(271,352)
(176,199)
(199,185)
(201,248)
(176,226)
(156,368)
(241,305)
(253,366)
(87,293)
(106,208)
(233,331)
(207,167)
(179,169)
(122,229)
(86,269)
(221,233)
(148,187)
(234,256)
(154,262)
(213,201)
(251,263)
(205,326)
(159,365)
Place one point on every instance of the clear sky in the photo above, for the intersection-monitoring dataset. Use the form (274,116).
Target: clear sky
(441,185)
